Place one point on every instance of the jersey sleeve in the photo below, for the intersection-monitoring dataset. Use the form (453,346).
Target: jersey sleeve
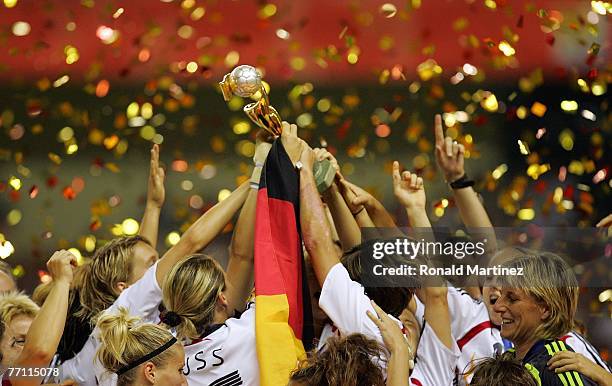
(435,363)
(346,303)
(141,298)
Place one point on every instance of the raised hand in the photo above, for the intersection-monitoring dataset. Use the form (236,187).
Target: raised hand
(449,153)
(292,144)
(156,194)
(408,188)
(61,266)
(263,144)
(392,335)
(322,154)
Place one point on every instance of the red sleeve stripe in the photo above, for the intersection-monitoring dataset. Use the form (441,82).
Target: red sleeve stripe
(473,332)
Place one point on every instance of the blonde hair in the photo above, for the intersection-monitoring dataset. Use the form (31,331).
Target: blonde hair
(551,282)
(191,291)
(6,268)
(13,304)
(110,265)
(125,339)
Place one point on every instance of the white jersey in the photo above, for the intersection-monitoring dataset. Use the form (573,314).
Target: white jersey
(581,345)
(226,356)
(141,299)
(345,303)
(476,336)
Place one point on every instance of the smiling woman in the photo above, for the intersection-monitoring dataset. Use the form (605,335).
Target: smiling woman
(538,308)
(17,312)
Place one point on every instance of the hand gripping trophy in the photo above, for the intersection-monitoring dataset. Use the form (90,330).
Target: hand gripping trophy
(245,81)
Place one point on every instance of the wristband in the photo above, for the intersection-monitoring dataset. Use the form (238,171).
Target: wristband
(463,182)
(358,211)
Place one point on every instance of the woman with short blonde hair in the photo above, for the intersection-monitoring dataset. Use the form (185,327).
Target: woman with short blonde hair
(139,353)
(537,306)
(17,311)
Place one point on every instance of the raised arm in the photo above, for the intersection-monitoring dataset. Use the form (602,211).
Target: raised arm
(203,231)
(47,328)
(450,159)
(408,189)
(398,363)
(358,210)
(240,265)
(346,225)
(316,232)
(377,212)
(156,195)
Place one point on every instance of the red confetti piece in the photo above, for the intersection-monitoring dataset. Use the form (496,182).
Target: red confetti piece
(568,193)
(519,23)
(550,40)
(78,184)
(590,60)
(592,75)
(69,193)
(180,165)
(52,181)
(14,195)
(33,192)
(95,225)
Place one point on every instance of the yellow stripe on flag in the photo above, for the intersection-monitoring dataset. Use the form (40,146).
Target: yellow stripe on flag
(278,350)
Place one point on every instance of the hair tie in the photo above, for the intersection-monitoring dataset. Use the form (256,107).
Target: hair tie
(147,357)
(170,318)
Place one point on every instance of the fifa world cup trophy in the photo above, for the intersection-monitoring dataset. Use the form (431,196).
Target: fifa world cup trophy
(245,81)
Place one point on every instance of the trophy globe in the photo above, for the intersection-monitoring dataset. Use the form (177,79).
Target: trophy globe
(245,80)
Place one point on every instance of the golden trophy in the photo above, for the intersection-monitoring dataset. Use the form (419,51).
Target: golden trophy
(245,81)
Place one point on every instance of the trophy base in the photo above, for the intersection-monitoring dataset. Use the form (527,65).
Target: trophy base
(324,174)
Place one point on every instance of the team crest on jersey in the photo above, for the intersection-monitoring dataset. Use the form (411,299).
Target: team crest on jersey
(231,379)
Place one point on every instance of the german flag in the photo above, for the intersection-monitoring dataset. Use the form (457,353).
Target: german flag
(282,304)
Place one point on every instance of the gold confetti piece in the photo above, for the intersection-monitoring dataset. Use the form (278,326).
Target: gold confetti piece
(107,35)
(523,147)
(569,106)
(506,48)
(112,167)
(538,109)
(428,69)
(536,170)
(499,171)
(111,142)
(21,28)
(56,159)
(61,81)
(526,214)
(388,10)
(601,7)
(490,103)
(267,11)
(118,13)
(72,54)
(566,139)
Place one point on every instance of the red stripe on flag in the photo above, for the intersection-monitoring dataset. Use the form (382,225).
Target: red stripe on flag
(278,255)
(473,332)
